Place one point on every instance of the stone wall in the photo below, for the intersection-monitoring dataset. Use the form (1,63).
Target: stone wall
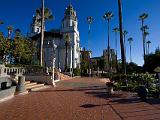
(7,87)
(40,78)
(7,92)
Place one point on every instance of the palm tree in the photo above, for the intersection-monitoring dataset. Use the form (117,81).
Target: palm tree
(142,18)
(116,30)
(10,30)
(145,37)
(121,36)
(1,22)
(148,45)
(124,37)
(44,14)
(89,20)
(17,32)
(107,16)
(47,14)
(67,40)
(130,40)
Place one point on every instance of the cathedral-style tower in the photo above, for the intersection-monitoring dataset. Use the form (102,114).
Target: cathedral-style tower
(70,26)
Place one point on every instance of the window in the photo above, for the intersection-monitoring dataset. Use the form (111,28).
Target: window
(38,30)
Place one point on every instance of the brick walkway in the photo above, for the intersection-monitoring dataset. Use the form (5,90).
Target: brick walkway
(78,99)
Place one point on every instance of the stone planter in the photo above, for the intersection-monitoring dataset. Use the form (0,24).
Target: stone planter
(142,92)
(7,93)
(21,84)
(109,87)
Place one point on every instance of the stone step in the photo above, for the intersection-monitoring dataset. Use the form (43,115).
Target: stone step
(39,88)
(34,86)
(65,77)
(27,82)
(30,84)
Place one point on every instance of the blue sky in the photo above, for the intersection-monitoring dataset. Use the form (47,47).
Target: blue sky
(18,13)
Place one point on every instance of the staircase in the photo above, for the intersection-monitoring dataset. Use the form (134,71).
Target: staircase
(34,86)
(65,77)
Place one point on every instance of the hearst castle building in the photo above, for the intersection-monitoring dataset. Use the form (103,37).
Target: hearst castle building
(54,41)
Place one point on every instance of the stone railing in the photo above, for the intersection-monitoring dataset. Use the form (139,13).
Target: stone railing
(40,78)
(6,71)
(30,73)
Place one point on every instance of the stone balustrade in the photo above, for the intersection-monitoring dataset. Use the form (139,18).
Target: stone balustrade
(6,71)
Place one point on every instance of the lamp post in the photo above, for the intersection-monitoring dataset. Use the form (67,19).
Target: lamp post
(71,62)
(42,34)
(90,21)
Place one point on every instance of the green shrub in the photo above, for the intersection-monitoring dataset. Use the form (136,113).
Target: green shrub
(153,92)
(77,72)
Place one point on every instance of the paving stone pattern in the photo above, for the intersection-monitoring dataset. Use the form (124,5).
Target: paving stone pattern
(78,99)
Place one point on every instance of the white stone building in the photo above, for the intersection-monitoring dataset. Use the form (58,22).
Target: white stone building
(54,42)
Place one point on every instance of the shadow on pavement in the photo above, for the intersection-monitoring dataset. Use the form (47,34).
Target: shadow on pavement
(89,88)
(153,101)
(91,105)
(126,101)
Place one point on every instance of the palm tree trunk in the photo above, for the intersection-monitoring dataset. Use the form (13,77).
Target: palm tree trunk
(121,36)
(125,46)
(116,52)
(66,61)
(130,53)
(42,35)
(148,49)
(144,51)
(108,46)
(89,27)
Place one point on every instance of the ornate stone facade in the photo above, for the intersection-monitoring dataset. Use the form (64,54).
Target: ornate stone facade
(54,41)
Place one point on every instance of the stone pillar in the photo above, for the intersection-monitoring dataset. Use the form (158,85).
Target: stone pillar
(2,73)
(21,84)
(90,72)
(53,82)
(47,71)
(71,63)
(98,72)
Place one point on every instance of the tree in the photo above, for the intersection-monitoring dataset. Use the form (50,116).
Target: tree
(145,37)
(23,50)
(47,14)
(124,39)
(101,63)
(17,33)
(44,15)
(116,30)
(121,36)
(67,41)
(130,40)
(148,45)
(107,16)
(142,18)
(152,61)
(1,22)
(5,47)
(133,68)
